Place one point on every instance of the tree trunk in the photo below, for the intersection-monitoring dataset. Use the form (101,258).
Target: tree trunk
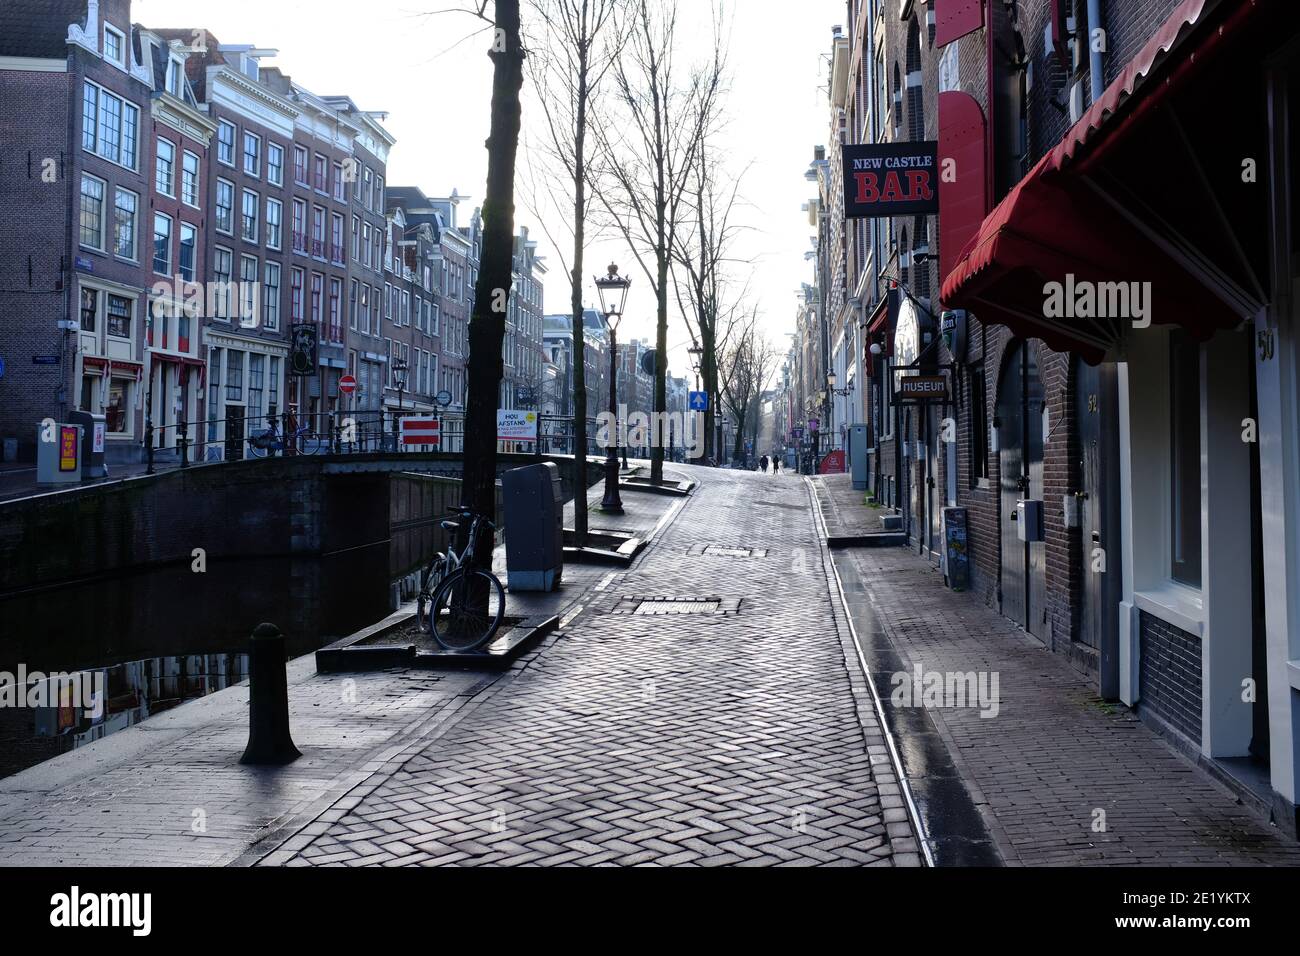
(661,374)
(487,325)
(579,325)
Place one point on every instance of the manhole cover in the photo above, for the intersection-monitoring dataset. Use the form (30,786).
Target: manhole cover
(714,549)
(643,604)
(677,607)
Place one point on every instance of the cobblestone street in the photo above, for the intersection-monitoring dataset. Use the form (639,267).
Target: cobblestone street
(716,738)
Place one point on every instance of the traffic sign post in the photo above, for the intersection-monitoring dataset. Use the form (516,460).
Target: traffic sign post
(699,401)
(347,384)
(421,432)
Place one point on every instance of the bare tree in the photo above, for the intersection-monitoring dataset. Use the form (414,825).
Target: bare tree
(746,365)
(702,254)
(647,152)
(575,37)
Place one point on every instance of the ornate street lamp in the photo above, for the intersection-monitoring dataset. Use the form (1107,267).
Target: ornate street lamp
(831,379)
(399,379)
(613,298)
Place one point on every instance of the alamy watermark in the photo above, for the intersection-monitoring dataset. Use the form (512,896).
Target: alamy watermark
(233,300)
(654,430)
(38,690)
(947,689)
(1081,299)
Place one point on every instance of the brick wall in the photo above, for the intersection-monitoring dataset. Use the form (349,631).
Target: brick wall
(33,247)
(1170,675)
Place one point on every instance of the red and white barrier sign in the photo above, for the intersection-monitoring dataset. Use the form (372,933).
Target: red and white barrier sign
(421,431)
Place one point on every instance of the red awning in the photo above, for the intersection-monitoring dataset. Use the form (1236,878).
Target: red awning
(93,361)
(1051,226)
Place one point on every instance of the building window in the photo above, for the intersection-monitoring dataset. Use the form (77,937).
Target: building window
(321,173)
(317,289)
(271,302)
(379,194)
(92,212)
(368,188)
(273,407)
(339,192)
(275,164)
(295,295)
(214,390)
(300,164)
(189,238)
(119,316)
(165,167)
(248,291)
(117,418)
(1185,459)
(365,244)
(124,209)
(356,238)
(252,203)
(226,143)
(114,46)
(256,364)
(190,179)
(225,207)
(365,309)
(252,154)
(89,309)
(299,226)
(234,375)
(352,305)
(274,214)
(336,238)
(336,325)
(318,232)
(174,74)
(222,264)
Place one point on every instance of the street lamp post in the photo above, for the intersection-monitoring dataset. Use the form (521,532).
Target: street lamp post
(613,295)
(399,379)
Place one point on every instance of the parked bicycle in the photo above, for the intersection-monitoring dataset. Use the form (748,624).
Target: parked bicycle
(460,604)
(302,441)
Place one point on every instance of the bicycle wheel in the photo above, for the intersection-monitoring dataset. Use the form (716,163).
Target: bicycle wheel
(255,452)
(467,609)
(308,444)
(429,582)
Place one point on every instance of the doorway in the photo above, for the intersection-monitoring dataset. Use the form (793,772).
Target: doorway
(1019,424)
(234,432)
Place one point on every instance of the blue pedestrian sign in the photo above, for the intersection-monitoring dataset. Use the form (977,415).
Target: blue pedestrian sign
(699,401)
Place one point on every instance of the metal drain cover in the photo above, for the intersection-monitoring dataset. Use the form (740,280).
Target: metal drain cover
(642,604)
(723,551)
(677,607)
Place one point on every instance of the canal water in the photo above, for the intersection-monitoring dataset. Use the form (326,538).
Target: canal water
(155,638)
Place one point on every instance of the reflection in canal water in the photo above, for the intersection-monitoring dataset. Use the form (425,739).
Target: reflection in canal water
(169,634)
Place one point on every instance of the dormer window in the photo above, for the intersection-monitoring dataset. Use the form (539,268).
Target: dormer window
(174,74)
(249,67)
(114,46)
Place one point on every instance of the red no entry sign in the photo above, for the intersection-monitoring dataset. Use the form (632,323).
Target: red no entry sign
(347,385)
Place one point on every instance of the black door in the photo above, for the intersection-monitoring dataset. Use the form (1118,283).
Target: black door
(234,432)
(1087,405)
(1020,421)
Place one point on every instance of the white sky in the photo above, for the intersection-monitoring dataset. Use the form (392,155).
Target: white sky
(392,55)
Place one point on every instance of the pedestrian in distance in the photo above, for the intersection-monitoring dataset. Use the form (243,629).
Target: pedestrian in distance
(776,465)
(762,464)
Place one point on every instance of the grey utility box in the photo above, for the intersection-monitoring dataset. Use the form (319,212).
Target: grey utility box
(858,456)
(1029,514)
(533,500)
(93,431)
(58,454)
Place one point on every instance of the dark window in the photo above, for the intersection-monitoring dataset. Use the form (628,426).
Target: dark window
(89,309)
(1185,459)
(979,427)
(119,316)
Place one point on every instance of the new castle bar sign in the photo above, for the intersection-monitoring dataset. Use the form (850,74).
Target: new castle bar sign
(891,179)
(921,388)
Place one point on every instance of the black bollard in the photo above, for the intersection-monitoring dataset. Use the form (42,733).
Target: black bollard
(268,707)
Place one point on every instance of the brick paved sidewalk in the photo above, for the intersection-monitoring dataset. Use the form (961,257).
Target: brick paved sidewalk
(742,738)
(1055,756)
(845,509)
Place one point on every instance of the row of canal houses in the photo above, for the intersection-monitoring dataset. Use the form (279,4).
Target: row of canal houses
(178,212)
(1108,295)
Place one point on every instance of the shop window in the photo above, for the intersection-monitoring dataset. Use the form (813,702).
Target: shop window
(119,316)
(1185,459)
(116,412)
(89,311)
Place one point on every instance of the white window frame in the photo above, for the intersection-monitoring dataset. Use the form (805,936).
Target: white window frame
(110,30)
(278,180)
(170,191)
(274,239)
(257,215)
(256,172)
(216,211)
(135,224)
(103,206)
(234,135)
(271,303)
(191,199)
(180,243)
(153,244)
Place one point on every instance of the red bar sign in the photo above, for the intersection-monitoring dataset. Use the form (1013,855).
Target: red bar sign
(421,431)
